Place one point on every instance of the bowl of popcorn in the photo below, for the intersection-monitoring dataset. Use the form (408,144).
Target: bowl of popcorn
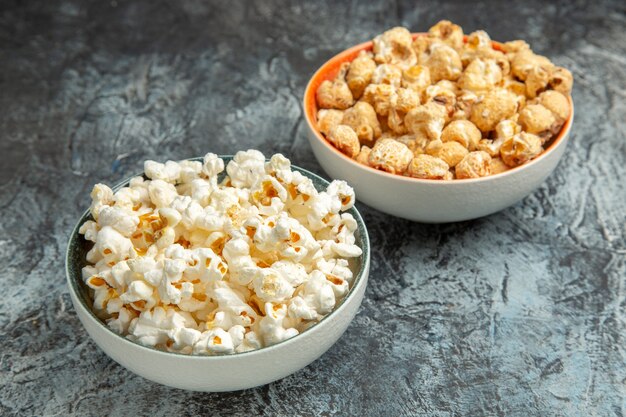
(439,126)
(218,273)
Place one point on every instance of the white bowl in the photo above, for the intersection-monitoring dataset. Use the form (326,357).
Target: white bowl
(428,201)
(227,372)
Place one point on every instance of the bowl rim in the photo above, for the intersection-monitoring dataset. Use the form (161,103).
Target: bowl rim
(359,279)
(327,70)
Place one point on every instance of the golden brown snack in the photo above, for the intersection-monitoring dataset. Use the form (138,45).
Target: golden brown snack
(556,102)
(497,165)
(463,132)
(448,33)
(379,96)
(387,74)
(360,73)
(463,105)
(395,121)
(481,75)
(427,167)
(561,80)
(507,128)
(364,155)
(477,42)
(390,155)
(406,99)
(363,120)
(415,143)
(496,105)
(450,152)
(416,78)
(327,119)
(525,60)
(538,120)
(335,94)
(395,47)
(444,63)
(513,47)
(474,165)
(345,139)
(443,93)
(537,81)
(426,120)
(520,148)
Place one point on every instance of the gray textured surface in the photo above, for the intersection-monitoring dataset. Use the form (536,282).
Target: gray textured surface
(518,314)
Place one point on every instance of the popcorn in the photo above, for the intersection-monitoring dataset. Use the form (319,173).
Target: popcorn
(193,263)
(395,47)
(473,165)
(444,63)
(245,168)
(327,119)
(101,196)
(427,166)
(360,73)
(520,148)
(335,94)
(444,97)
(162,193)
(168,172)
(387,74)
(89,229)
(462,131)
(272,325)
(363,120)
(119,219)
(344,138)
(390,155)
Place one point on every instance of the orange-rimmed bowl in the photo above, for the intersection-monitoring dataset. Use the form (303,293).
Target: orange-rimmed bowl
(423,200)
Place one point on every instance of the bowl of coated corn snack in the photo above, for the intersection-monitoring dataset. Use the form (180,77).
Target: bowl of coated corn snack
(218,273)
(440,126)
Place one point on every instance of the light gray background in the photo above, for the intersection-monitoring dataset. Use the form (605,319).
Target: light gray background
(517,314)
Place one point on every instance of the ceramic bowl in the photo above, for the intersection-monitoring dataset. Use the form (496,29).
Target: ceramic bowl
(219,373)
(422,200)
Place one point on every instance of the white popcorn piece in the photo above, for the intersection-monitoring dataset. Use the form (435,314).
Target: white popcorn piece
(343,192)
(280,167)
(185,336)
(346,250)
(201,191)
(162,193)
(292,272)
(119,219)
(189,171)
(137,290)
(214,341)
(229,301)
(89,229)
(111,245)
(101,196)
(121,323)
(270,285)
(154,327)
(318,293)
(272,325)
(245,168)
(212,166)
(209,220)
(168,172)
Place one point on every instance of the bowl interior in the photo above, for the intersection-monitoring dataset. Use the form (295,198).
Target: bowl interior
(329,70)
(78,247)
